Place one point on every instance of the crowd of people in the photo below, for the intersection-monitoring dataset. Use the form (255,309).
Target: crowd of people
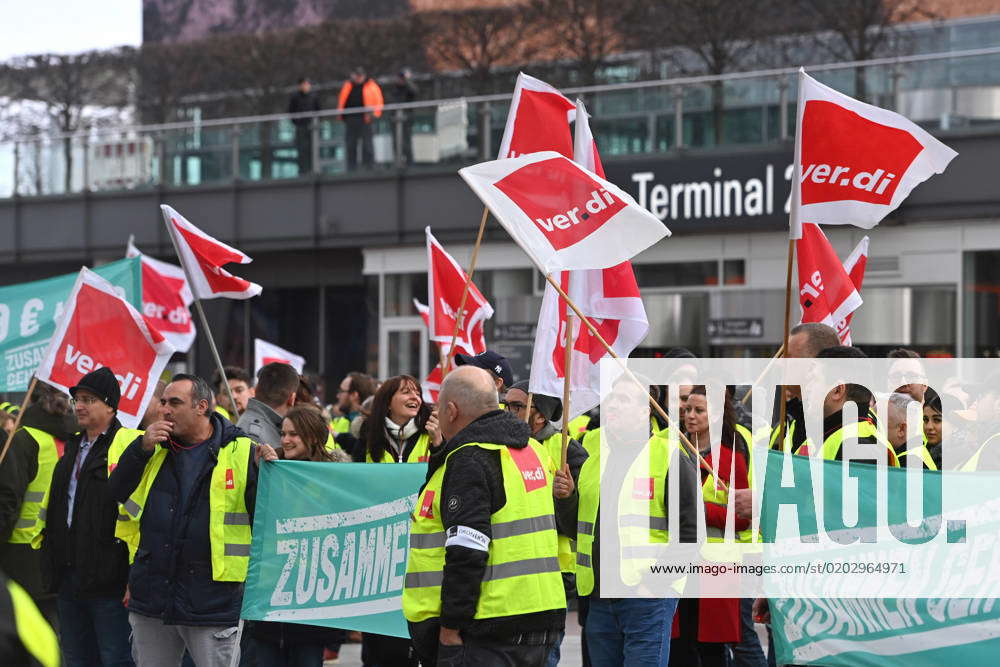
(134,543)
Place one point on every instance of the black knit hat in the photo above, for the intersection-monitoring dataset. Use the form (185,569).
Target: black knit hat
(101,383)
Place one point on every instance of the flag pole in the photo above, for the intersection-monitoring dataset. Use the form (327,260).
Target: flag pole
(567,367)
(465,290)
(17,421)
(527,410)
(777,355)
(204,321)
(784,333)
(652,401)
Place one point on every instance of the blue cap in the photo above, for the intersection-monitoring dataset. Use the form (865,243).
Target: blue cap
(489,361)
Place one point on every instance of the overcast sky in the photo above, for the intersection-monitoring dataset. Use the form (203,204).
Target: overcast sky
(67,26)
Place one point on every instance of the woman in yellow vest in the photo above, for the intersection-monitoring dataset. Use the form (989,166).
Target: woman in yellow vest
(303,438)
(401,428)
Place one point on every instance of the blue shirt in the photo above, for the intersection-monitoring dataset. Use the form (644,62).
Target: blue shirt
(81,458)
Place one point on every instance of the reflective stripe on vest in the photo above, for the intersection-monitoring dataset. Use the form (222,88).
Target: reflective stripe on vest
(126,530)
(419,454)
(31,520)
(228,520)
(567,546)
(522,569)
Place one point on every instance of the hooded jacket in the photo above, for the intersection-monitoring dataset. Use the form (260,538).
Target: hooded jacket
(472,490)
(171,577)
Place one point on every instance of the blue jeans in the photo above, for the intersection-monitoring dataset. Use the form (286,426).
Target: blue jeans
(748,653)
(627,631)
(93,631)
(554,654)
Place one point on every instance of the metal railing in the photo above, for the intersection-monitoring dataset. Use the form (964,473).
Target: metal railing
(941,91)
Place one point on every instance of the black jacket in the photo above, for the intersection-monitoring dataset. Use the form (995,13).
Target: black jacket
(171,577)
(474,480)
(301,102)
(89,545)
(19,561)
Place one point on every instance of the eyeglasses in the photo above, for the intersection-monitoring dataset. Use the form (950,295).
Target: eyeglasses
(84,400)
(515,407)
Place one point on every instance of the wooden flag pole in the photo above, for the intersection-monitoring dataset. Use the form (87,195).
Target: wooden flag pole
(204,324)
(465,290)
(17,421)
(788,315)
(652,401)
(777,355)
(527,410)
(567,367)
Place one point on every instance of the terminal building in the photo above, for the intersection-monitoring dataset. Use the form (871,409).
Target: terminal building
(341,255)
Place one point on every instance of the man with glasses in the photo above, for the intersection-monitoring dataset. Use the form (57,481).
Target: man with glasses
(90,566)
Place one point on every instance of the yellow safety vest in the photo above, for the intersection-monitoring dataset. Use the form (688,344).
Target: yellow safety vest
(924,455)
(522,570)
(578,425)
(34,505)
(126,530)
(419,454)
(642,517)
(973,463)
(228,519)
(567,546)
(225,413)
(864,429)
(719,496)
(341,425)
(33,630)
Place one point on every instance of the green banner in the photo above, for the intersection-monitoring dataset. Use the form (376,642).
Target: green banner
(329,544)
(28,313)
(875,632)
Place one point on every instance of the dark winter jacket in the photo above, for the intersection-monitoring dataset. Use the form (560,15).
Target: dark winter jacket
(475,479)
(89,546)
(171,577)
(301,102)
(19,561)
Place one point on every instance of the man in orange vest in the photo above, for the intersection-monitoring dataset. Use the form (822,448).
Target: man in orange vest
(357,92)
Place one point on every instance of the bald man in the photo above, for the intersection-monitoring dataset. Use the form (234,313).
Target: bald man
(488,498)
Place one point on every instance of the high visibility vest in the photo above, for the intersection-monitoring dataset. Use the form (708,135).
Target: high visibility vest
(225,413)
(522,570)
(341,425)
(567,546)
(330,443)
(719,496)
(33,630)
(642,512)
(864,429)
(126,530)
(419,454)
(973,463)
(923,453)
(786,446)
(228,518)
(578,425)
(592,441)
(34,505)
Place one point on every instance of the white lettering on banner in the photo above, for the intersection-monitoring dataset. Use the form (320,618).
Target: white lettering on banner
(598,201)
(718,198)
(29,316)
(155,311)
(4,321)
(838,175)
(356,564)
(84,363)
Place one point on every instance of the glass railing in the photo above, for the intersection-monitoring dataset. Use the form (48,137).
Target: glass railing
(942,92)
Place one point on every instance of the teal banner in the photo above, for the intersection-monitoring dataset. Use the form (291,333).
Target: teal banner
(329,544)
(28,313)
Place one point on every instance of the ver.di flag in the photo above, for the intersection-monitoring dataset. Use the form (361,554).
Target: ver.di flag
(538,120)
(561,214)
(265,353)
(445,284)
(854,265)
(203,257)
(608,297)
(330,543)
(855,163)
(826,292)
(100,328)
(166,298)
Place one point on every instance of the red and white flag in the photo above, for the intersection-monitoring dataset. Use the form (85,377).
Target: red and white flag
(100,328)
(462,344)
(203,257)
(538,120)
(608,297)
(166,298)
(854,162)
(265,353)
(826,292)
(855,266)
(561,214)
(445,284)
(431,386)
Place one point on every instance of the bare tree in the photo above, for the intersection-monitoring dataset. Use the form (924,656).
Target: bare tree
(583,31)
(864,29)
(480,40)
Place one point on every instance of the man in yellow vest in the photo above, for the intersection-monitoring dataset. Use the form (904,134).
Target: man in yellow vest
(89,566)
(190,483)
(354,389)
(482,580)
(25,476)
